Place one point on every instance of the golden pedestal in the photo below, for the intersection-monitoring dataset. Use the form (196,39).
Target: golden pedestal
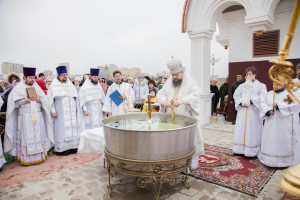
(154,172)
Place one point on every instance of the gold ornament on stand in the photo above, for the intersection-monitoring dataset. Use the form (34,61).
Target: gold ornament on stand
(281,74)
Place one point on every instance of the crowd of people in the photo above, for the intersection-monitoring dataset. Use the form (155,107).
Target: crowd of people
(42,113)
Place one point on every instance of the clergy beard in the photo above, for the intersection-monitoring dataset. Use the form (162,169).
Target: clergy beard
(30,84)
(94,82)
(63,81)
(177,83)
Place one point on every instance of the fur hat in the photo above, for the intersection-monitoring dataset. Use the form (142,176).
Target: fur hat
(12,75)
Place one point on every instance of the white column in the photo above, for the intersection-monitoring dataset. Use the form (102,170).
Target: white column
(200,69)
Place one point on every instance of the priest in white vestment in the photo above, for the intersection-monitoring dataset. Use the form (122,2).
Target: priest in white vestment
(91,97)
(28,128)
(183,89)
(126,93)
(64,105)
(248,127)
(2,159)
(278,139)
(296,121)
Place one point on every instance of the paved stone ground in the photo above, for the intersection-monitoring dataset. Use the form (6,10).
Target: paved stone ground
(89,181)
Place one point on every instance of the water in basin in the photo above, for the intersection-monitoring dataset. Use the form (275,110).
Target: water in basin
(158,123)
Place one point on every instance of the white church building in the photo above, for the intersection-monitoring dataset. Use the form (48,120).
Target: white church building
(251,30)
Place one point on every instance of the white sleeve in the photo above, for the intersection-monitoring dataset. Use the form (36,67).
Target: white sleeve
(84,108)
(256,98)
(161,97)
(238,97)
(53,110)
(20,102)
(264,105)
(286,109)
(107,102)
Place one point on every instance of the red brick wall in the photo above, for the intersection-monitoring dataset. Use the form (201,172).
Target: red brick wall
(262,68)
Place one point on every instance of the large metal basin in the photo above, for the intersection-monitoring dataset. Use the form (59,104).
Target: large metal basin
(148,145)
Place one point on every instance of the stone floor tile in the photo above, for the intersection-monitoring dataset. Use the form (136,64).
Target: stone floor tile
(190,192)
(30,197)
(179,196)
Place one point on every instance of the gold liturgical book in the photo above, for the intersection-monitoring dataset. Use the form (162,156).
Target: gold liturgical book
(31,93)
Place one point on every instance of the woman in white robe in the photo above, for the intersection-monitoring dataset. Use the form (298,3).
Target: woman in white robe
(278,139)
(247,103)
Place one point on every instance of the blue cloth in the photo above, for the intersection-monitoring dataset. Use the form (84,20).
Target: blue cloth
(61,70)
(29,71)
(94,72)
(115,97)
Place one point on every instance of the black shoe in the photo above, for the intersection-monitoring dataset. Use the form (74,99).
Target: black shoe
(233,123)
(64,153)
(74,151)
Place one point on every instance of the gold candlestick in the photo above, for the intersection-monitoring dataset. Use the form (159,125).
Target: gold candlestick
(172,109)
(149,107)
(281,73)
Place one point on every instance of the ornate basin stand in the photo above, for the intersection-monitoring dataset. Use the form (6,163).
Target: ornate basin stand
(154,172)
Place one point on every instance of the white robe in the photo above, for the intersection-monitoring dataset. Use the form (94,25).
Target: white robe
(296,129)
(2,159)
(91,99)
(26,138)
(64,101)
(253,132)
(278,139)
(110,107)
(189,93)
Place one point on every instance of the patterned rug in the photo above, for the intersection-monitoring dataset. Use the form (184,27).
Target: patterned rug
(213,159)
(14,173)
(246,175)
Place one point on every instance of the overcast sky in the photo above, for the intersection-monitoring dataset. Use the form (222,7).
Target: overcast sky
(89,33)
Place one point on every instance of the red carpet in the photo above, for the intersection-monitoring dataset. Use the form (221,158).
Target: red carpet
(246,175)
(14,173)
(213,159)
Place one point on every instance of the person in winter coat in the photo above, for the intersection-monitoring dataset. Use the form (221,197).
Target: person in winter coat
(141,90)
(215,97)
(42,84)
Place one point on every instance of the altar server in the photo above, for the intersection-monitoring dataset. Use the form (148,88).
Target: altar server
(185,93)
(248,128)
(278,139)
(126,96)
(91,99)
(64,104)
(28,130)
